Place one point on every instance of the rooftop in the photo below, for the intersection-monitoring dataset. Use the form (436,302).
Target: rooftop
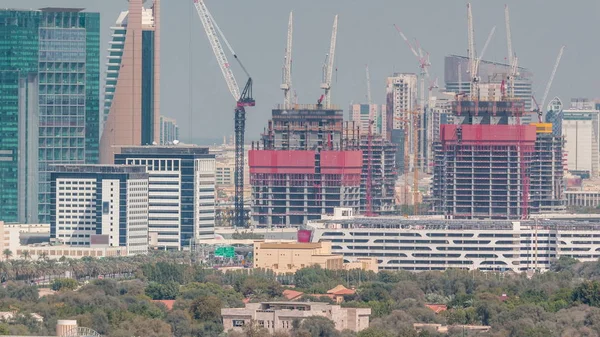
(172,150)
(97,168)
(289,245)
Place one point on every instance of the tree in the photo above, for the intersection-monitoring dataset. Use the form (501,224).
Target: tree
(207,308)
(375,332)
(181,323)
(316,326)
(60,284)
(588,293)
(7,253)
(167,291)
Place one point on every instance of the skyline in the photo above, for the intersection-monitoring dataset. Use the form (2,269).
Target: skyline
(259,41)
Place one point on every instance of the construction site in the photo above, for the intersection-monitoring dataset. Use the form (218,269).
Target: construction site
(490,165)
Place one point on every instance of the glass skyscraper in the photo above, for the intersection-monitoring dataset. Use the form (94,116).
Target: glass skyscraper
(49,103)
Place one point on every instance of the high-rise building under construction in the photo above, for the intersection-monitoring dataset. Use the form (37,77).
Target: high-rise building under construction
(306,164)
(490,166)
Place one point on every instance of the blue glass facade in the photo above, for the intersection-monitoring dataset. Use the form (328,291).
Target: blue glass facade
(55,56)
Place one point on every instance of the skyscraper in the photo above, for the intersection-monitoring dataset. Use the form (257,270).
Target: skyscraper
(49,103)
(131,104)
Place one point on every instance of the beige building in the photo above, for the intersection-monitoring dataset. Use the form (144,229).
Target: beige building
(278,316)
(288,257)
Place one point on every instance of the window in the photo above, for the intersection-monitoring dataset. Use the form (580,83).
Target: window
(238,322)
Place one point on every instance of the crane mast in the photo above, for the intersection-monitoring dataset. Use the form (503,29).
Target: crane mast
(328,69)
(286,85)
(471,50)
(512,59)
(508,35)
(243,100)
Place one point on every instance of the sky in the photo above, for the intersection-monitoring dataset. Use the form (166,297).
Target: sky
(194,92)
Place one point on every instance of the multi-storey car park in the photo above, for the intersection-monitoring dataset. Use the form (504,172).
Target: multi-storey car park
(436,244)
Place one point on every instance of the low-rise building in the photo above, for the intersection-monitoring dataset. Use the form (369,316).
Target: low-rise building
(279,316)
(583,198)
(288,257)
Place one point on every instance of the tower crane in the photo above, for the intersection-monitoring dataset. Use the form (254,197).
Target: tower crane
(328,67)
(368,86)
(471,51)
(243,100)
(549,84)
(540,106)
(512,58)
(286,84)
(424,65)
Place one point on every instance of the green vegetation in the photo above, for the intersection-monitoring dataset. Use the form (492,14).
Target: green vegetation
(562,302)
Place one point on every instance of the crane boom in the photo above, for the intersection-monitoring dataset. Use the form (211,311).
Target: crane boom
(487,42)
(368,86)
(328,73)
(406,40)
(508,35)
(549,84)
(211,33)
(286,86)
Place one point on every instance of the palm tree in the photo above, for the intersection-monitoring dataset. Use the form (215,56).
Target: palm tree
(7,253)
(25,255)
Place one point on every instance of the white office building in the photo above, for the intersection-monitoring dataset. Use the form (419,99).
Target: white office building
(181,192)
(419,244)
(581,129)
(100,205)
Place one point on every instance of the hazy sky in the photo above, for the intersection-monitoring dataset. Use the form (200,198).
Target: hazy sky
(257,31)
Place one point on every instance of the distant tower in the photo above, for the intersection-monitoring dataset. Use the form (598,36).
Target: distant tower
(131,111)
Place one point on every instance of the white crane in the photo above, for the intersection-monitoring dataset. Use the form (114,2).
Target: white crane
(549,84)
(368,86)
(286,85)
(328,67)
(471,50)
(508,35)
(480,57)
(211,32)
(242,100)
(512,59)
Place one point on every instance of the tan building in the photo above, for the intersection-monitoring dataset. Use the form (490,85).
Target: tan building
(132,115)
(278,316)
(288,257)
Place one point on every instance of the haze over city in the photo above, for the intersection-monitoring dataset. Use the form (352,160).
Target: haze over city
(257,31)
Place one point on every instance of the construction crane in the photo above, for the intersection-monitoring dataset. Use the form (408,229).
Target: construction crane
(512,58)
(424,64)
(243,100)
(368,87)
(328,67)
(549,84)
(471,52)
(540,106)
(286,84)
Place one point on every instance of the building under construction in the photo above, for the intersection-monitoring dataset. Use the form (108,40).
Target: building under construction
(307,163)
(490,166)
(383,174)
